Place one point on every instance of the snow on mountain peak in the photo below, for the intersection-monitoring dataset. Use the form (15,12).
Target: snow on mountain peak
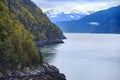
(55,12)
(52,12)
(56,16)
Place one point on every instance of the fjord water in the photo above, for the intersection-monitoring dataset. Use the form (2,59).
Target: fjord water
(86,56)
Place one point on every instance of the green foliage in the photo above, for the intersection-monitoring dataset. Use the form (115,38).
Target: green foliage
(34,19)
(16,44)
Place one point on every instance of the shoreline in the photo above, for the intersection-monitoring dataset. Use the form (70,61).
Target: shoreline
(42,72)
(46,42)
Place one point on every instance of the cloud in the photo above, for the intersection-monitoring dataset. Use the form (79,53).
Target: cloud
(81,5)
(93,23)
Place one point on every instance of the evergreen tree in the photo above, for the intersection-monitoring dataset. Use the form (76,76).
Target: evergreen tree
(16,44)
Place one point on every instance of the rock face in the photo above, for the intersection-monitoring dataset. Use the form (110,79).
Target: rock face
(46,42)
(42,72)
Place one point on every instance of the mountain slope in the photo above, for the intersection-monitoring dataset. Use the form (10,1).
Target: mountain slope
(34,20)
(16,44)
(105,21)
(111,25)
(19,58)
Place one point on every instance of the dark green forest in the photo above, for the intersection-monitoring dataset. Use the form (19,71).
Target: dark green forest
(17,45)
(21,24)
(34,19)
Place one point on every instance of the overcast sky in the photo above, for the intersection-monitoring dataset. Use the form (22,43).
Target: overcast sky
(81,5)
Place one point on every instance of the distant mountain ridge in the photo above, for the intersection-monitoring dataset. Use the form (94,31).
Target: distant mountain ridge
(59,16)
(105,21)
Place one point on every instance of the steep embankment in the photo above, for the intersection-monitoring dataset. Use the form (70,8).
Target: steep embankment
(16,43)
(19,58)
(35,21)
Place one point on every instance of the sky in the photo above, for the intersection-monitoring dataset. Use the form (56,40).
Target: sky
(80,5)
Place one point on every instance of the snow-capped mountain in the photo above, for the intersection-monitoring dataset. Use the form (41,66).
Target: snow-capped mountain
(104,21)
(58,16)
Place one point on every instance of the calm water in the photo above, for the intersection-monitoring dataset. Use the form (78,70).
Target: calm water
(86,56)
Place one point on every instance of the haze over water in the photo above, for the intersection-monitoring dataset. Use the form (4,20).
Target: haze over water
(86,56)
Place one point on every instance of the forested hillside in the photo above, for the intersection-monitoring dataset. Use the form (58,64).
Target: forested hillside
(19,57)
(34,19)
(17,47)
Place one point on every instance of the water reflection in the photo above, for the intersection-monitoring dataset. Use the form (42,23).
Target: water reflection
(49,52)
